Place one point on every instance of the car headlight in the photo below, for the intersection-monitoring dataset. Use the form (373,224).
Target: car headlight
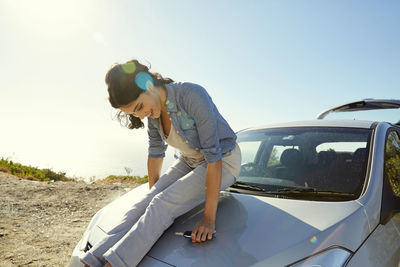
(329,258)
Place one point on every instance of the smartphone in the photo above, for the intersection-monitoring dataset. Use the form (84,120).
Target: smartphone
(188,234)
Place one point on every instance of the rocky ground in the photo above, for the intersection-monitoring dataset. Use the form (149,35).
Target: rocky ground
(40,222)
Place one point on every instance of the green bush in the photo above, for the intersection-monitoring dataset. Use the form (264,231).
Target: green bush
(32,173)
(46,175)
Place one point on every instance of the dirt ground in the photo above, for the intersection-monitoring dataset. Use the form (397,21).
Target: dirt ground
(40,222)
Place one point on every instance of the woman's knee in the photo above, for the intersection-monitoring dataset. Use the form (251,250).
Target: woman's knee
(160,200)
(168,202)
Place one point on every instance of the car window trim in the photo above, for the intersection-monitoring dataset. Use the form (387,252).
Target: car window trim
(370,148)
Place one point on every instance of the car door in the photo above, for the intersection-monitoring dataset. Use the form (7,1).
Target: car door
(392,175)
(382,248)
(366,104)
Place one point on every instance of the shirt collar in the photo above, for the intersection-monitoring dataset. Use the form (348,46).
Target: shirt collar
(171,99)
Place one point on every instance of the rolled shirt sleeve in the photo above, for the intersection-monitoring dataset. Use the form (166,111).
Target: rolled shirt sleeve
(157,146)
(199,105)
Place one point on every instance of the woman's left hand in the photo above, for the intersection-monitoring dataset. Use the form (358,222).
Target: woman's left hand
(203,230)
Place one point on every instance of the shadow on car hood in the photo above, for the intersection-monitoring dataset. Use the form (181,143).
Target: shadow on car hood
(270,231)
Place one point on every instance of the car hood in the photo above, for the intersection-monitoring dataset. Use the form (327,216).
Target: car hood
(264,230)
(250,230)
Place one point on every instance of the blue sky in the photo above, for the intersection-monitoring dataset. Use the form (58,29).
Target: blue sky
(261,61)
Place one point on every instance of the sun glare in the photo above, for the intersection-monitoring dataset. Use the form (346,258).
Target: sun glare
(47,16)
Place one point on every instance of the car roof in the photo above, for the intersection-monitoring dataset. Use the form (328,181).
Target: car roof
(366,104)
(319,123)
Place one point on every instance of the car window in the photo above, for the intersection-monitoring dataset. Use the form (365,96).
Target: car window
(249,150)
(276,153)
(329,159)
(345,147)
(392,161)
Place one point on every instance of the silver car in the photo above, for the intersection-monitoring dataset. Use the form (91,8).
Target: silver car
(311,193)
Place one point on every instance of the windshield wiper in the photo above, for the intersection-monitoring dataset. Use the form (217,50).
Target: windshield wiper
(246,186)
(311,191)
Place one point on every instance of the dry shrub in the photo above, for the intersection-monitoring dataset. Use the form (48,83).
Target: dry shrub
(4,169)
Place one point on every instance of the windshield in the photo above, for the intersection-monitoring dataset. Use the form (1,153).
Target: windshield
(319,163)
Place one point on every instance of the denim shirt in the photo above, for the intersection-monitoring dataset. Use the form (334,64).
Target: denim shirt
(196,119)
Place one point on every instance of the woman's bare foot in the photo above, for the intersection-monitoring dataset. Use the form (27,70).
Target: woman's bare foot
(108,265)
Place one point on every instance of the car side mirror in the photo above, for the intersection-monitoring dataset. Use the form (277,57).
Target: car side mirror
(390,204)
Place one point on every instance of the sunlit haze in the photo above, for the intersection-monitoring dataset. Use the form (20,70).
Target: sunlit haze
(261,61)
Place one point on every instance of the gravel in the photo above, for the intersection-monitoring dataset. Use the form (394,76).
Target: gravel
(41,222)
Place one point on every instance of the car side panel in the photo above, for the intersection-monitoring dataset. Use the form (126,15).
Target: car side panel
(382,248)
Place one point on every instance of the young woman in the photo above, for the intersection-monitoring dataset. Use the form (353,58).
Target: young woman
(183,116)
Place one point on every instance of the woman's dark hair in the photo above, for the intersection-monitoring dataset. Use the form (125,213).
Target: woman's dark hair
(124,86)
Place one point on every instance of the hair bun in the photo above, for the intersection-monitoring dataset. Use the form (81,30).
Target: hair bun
(138,66)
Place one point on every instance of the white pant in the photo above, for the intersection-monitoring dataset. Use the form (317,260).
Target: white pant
(179,190)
